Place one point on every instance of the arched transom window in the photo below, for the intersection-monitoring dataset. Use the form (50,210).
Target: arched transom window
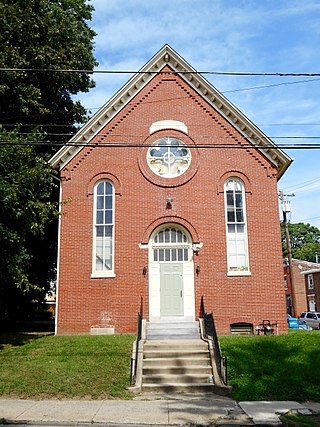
(171,244)
(237,244)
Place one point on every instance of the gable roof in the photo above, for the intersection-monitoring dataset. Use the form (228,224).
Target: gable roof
(168,56)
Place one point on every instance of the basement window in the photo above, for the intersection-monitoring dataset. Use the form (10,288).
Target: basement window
(241,328)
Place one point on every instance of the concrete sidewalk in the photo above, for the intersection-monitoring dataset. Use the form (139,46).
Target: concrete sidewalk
(152,410)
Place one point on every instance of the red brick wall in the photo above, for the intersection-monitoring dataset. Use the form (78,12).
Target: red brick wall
(140,202)
(300,284)
(316,290)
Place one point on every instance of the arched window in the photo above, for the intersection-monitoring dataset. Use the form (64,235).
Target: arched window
(237,242)
(103,236)
(171,244)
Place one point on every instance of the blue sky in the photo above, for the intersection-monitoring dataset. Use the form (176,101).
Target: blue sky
(268,36)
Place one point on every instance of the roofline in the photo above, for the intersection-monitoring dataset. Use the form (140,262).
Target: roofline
(167,56)
(314,270)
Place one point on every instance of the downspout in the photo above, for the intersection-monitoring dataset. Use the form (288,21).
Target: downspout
(58,256)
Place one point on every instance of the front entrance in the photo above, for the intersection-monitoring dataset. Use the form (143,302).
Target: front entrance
(171,273)
(171,289)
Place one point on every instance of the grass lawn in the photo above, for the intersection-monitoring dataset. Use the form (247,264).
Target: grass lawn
(91,367)
(285,367)
(294,420)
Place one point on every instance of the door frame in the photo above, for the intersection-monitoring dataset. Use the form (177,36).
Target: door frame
(187,275)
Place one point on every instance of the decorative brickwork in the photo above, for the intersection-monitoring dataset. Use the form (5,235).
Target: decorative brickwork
(141,205)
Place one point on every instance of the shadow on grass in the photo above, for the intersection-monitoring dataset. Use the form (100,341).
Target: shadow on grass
(285,367)
(17,339)
(293,420)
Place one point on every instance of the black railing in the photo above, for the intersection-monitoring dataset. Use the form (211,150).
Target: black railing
(134,360)
(211,334)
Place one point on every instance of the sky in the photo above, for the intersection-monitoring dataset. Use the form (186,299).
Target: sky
(268,36)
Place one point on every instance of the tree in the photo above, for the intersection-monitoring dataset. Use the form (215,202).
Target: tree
(40,35)
(305,241)
(26,215)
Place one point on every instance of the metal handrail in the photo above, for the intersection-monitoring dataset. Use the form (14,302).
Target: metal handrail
(210,333)
(134,360)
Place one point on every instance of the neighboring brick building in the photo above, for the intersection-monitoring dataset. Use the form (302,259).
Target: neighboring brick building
(306,280)
(312,282)
(171,195)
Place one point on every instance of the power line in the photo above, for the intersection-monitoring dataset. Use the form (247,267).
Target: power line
(271,85)
(223,73)
(68,134)
(288,124)
(139,145)
(68,124)
(303,184)
(307,219)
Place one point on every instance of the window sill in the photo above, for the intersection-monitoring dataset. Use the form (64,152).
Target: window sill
(239,273)
(103,275)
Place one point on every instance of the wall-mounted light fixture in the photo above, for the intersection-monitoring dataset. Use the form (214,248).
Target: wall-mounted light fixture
(196,247)
(144,270)
(198,269)
(169,201)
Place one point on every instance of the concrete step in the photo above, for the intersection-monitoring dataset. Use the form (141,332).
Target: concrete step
(184,388)
(176,362)
(178,365)
(177,370)
(175,351)
(187,378)
(172,330)
(176,336)
(179,346)
(154,354)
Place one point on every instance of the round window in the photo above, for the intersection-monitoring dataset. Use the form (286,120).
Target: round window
(168,157)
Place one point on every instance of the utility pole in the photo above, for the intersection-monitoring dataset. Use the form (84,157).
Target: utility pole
(286,208)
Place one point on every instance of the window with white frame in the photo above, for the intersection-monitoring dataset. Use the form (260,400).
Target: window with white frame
(171,244)
(103,245)
(310,281)
(237,241)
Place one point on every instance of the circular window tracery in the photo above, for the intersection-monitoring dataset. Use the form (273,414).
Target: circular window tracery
(168,157)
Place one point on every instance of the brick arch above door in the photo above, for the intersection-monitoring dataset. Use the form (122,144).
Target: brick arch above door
(172,220)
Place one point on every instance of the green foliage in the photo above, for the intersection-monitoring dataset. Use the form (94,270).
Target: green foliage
(36,35)
(284,367)
(296,420)
(96,367)
(26,215)
(42,34)
(305,241)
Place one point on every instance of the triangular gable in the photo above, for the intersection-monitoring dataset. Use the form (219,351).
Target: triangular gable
(167,56)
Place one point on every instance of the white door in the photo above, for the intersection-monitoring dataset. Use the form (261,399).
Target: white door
(171,289)
(171,273)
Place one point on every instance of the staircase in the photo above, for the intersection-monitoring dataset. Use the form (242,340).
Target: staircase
(176,365)
(175,358)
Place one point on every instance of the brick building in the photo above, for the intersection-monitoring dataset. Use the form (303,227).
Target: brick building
(169,193)
(306,289)
(312,282)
